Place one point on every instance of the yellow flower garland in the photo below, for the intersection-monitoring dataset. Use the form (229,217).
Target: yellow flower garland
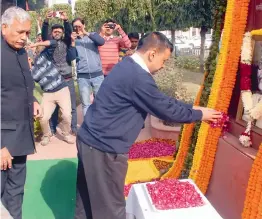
(253,202)
(215,87)
(222,87)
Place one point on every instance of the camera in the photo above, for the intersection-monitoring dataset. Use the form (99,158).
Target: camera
(56,14)
(111,26)
(75,29)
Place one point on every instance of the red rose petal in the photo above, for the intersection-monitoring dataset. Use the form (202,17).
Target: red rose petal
(151,149)
(173,194)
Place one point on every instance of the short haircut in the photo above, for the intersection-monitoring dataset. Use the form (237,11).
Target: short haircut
(109,20)
(78,19)
(57,26)
(14,13)
(154,40)
(133,35)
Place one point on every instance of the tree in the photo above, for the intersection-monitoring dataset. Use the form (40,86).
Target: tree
(137,16)
(199,14)
(92,11)
(168,16)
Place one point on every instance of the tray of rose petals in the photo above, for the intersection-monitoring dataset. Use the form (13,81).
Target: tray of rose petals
(172,194)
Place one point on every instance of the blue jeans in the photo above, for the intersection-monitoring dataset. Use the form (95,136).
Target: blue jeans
(86,88)
(54,119)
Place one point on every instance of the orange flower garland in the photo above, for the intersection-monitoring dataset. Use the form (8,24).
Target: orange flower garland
(222,87)
(253,202)
(175,170)
(215,88)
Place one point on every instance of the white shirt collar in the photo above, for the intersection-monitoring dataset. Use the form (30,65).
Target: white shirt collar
(137,58)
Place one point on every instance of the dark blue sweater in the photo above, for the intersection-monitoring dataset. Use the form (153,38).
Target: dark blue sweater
(113,122)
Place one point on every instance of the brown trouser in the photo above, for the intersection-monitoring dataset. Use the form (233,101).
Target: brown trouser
(49,102)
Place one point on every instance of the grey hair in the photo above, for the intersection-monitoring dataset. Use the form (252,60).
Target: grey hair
(14,13)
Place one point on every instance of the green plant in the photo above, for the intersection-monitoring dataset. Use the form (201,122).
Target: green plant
(33,31)
(169,81)
(188,62)
(37,129)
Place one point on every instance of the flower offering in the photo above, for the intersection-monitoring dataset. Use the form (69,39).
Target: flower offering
(173,194)
(151,148)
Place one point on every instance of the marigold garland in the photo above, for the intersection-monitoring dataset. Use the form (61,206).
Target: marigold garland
(215,87)
(210,69)
(184,154)
(222,87)
(252,206)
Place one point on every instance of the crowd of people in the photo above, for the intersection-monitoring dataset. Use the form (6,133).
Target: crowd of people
(95,54)
(116,68)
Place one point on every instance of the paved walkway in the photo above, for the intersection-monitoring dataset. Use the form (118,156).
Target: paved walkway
(58,149)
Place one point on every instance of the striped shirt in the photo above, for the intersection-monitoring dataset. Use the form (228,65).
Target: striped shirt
(109,52)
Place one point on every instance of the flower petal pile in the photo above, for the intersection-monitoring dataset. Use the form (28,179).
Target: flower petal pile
(150,149)
(173,194)
(127,187)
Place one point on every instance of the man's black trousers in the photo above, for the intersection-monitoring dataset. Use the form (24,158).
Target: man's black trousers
(12,186)
(100,184)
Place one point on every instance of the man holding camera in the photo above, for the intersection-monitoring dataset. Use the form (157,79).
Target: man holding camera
(62,62)
(109,52)
(89,68)
(60,59)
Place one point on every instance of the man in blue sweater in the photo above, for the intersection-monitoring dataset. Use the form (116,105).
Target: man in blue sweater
(89,67)
(113,122)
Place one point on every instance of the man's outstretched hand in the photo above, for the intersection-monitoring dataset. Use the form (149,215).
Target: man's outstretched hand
(209,115)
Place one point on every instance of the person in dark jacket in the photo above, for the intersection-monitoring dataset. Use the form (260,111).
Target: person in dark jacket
(63,36)
(18,109)
(113,122)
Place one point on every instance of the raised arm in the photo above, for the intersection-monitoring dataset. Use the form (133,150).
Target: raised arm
(96,38)
(124,41)
(45,30)
(67,26)
(71,51)
(44,43)
(45,26)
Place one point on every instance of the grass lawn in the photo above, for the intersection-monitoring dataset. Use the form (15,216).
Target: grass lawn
(50,189)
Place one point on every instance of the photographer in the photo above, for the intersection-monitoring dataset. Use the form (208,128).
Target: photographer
(55,87)
(62,34)
(89,68)
(109,52)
